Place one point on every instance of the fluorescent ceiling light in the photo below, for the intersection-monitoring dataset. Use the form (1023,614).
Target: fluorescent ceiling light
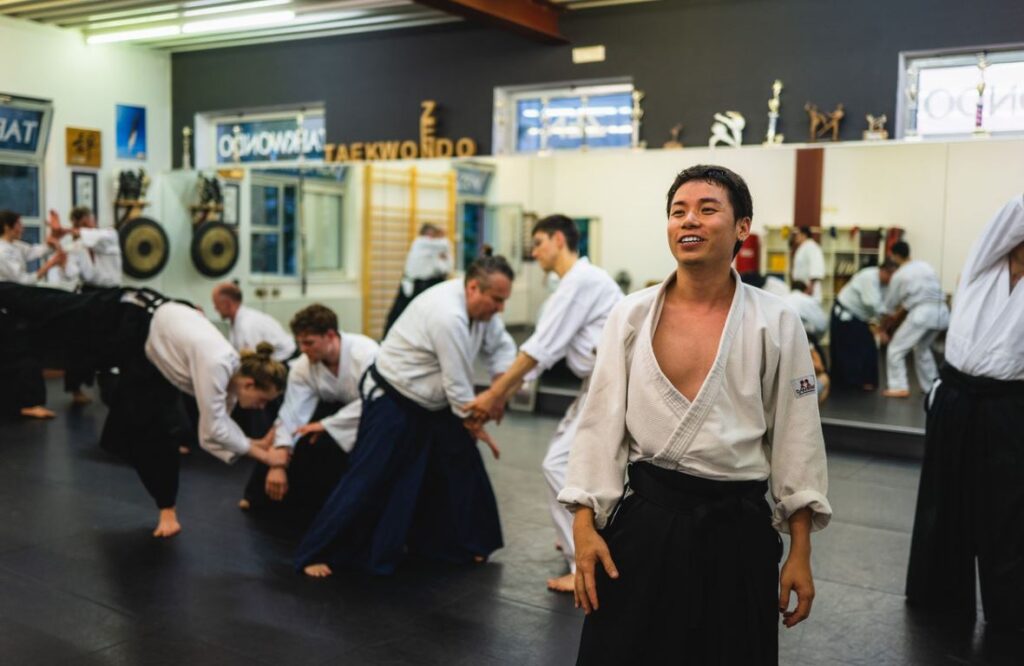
(243,6)
(237,22)
(154,18)
(130,35)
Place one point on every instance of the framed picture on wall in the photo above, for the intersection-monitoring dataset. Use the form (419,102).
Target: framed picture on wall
(83,147)
(131,132)
(230,193)
(84,189)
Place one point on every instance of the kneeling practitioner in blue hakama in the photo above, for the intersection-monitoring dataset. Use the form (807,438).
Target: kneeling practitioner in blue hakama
(416,480)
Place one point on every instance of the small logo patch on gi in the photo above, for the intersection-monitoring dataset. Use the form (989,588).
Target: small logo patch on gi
(805,386)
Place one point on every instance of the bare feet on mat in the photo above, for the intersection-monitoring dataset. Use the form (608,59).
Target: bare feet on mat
(184,450)
(479,559)
(566,583)
(168,525)
(37,412)
(894,393)
(80,398)
(244,504)
(317,571)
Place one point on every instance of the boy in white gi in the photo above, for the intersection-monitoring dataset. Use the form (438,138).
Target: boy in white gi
(703,390)
(808,262)
(569,327)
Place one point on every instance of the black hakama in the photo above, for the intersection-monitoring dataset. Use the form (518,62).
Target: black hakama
(21,371)
(698,575)
(415,481)
(970,504)
(854,353)
(402,301)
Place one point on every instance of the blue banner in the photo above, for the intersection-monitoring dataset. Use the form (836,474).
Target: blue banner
(20,129)
(271,140)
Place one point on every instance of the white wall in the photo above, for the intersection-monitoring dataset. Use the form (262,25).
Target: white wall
(85,83)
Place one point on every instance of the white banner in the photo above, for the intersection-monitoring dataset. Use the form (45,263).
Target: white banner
(948,99)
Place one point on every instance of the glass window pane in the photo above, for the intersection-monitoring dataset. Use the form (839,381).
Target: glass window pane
(264,253)
(609,121)
(563,120)
(289,234)
(19,189)
(322,216)
(265,206)
(528,124)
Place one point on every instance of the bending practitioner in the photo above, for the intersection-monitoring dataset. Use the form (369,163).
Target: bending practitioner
(319,418)
(970,505)
(161,348)
(703,390)
(415,480)
(851,338)
(569,327)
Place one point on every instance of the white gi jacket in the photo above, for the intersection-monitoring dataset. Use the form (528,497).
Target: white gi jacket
(94,259)
(428,354)
(14,259)
(310,383)
(428,258)
(986,331)
(809,264)
(862,296)
(915,287)
(573,317)
(251,327)
(192,355)
(810,312)
(754,418)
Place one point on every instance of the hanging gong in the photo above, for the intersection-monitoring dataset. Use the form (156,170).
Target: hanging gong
(214,248)
(144,247)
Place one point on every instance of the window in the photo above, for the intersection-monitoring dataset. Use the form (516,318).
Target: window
(274,228)
(572,117)
(321,218)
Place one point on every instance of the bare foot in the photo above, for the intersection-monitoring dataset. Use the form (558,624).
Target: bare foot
(479,559)
(566,583)
(37,412)
(80,398)
(317,571)
(894,393)
(168,525)
(244,504)
(184,450)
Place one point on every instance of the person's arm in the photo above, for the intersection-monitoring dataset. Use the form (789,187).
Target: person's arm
(485,402)
(300,399)
(449,338)
(796,572)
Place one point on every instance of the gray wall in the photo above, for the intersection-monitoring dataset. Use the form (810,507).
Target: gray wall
(691,58)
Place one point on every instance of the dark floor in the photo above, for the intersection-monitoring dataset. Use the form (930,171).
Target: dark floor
(83,583)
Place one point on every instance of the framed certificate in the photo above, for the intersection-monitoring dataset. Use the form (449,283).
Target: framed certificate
(84,190)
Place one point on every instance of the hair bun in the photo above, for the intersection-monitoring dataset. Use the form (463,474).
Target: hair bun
(265,350)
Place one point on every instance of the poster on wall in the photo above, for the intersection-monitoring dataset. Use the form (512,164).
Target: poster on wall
(83,147)
(83,189)
(131,132)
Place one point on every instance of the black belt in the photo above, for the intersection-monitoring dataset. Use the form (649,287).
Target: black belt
(980,386)
(392,392)
(683,492)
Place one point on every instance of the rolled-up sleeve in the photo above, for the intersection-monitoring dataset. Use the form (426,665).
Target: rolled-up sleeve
(218,433)
(600,452)
(799,473)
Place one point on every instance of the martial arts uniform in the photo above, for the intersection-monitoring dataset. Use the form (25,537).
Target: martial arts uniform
(251,327)
(971,499)
(14,260)
(415,477)
(161,349)
(774,285)
(691,533)
(854,351)
(809,265)
(315,394)
(21,367)
(570,327)
(811,314)
(428,263)
(915,287)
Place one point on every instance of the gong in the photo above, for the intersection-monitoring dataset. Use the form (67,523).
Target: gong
(144,247)
(214,248)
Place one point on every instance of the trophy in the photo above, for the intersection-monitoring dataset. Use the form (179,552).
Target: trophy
(771,138)
(637,114)
(822,124)
(876,128)
(674,142)
(979,108)
(236,133)
(910,133)
(727,129)
(186,148)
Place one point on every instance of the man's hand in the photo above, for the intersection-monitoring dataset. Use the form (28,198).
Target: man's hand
(483,406)
(311,429)
(265,441)
(278,457)
(277,483)
(590,550)
(476,428)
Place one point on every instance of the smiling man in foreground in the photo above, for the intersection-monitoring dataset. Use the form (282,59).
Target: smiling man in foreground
(703,390)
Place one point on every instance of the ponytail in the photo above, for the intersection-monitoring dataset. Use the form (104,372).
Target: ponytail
(261,367)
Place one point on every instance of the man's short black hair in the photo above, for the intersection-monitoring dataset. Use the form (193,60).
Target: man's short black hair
(900,249)
(734,185)
(483,267)
(8,218)
(798,285)
(806,231)
(566,225)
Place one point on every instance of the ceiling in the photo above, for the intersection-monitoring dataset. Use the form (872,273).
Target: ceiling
(207,24)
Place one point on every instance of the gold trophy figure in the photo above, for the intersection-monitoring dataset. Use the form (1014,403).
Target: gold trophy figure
(771,138)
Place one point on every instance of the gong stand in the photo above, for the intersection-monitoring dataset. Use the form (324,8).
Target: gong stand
(214,244)
(144,244)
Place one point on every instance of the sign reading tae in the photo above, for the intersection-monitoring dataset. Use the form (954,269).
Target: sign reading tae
(429,145)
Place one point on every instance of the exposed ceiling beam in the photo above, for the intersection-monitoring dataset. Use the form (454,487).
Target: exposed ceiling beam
(537,19)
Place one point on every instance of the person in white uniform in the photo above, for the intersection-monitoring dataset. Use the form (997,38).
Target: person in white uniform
(161,348)
(809,309)
(702,392)
(569,327)
(318,420)
(428,263)
(851,339)
(416,483)
(916,292)
(970,504)
(23,391)
(808,262)
(250,327)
